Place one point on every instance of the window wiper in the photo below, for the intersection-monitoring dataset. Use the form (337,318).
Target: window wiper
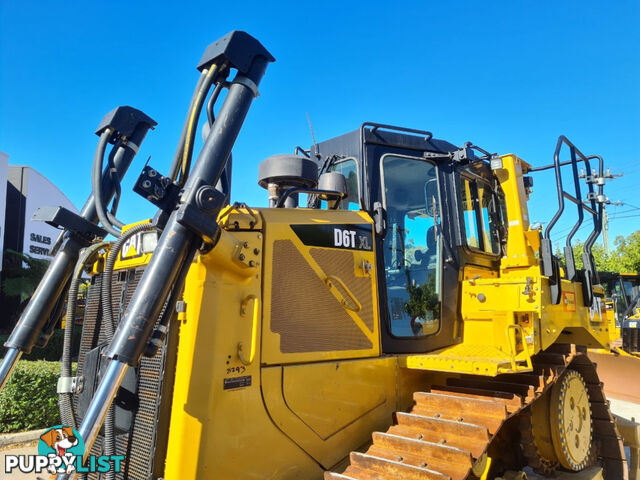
(436,217)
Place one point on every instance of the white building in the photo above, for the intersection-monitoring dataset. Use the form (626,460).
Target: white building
(26,191)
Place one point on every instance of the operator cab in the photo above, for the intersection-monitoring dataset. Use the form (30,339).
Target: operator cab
(436,207)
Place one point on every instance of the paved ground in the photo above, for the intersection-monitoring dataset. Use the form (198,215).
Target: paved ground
(20,449)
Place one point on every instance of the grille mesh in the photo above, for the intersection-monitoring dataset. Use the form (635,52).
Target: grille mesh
(303,311)
(139,445)
(342,264)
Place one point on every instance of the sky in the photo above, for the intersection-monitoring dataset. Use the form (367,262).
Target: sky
(510,76)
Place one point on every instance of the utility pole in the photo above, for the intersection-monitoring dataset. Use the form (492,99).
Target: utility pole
(605,230)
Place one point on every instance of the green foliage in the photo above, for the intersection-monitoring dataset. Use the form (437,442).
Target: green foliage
(628,252)
(53,350)
(625,257)
(20,280)
(29,400)
(83,288)
(423,298)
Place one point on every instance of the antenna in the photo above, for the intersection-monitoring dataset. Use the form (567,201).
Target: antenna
(313,137)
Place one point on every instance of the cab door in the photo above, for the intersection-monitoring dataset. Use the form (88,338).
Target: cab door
(419,284)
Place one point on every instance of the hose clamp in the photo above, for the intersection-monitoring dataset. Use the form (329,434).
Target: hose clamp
(132,146)
(250,84)
(70,385)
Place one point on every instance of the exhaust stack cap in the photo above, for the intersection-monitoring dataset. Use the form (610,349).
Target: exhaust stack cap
(281,172)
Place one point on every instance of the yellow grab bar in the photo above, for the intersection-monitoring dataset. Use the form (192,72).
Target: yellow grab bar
(254,330)
(356,304)
(525,348)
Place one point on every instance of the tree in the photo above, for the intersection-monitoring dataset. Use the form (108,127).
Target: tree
(628,252)
(625,257)
(22,274)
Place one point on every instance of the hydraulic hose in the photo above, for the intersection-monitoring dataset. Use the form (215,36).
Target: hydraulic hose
(96,183)
(64,398)
(192,122)
(109,327)
(211,116)
(177,158)
(107,307)
(115,181)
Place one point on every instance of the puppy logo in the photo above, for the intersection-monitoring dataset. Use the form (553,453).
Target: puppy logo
(60,439)
(61,444)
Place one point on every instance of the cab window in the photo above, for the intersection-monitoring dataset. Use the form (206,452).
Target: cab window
(349,169)
(483,214)
(412,245)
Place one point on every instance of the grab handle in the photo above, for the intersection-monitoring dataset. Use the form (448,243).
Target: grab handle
(356,304)
(254,330)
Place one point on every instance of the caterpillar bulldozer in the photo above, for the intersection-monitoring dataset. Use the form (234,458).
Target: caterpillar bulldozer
(624,291)
(622,361)
(406,322)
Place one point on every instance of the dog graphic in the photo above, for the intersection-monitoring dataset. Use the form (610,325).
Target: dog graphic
(60,439)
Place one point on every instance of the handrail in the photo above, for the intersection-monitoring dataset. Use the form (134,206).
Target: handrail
(329,193)
(512,348)
(594,207)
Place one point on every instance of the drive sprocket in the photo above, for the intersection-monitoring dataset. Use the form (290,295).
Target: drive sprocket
(570,421)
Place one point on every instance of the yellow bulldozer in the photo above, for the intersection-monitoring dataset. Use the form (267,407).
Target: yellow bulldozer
(392,314)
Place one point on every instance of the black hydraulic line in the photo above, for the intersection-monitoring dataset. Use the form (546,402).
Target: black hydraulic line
(96,183)
(54,282)
(107,307)
(115,181)
(213,98)
(192,122)
(177,158)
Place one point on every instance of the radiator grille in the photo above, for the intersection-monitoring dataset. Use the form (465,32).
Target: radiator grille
(143,440)
(303,311)
(342,264)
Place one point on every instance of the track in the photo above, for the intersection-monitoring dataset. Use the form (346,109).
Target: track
(453,428)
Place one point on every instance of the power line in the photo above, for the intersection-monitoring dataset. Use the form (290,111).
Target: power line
(625,216)
(625,211)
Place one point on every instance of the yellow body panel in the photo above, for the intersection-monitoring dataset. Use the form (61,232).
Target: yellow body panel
(278,228)
(219,432)
(216,432)
(331,408)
